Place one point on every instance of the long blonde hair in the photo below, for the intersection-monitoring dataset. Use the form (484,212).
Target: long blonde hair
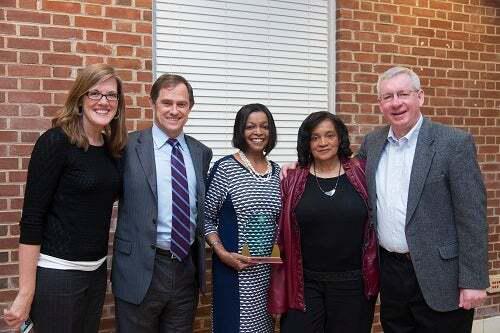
(70,116)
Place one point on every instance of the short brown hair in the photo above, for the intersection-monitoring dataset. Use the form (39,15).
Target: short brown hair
(171,80)
(70,116)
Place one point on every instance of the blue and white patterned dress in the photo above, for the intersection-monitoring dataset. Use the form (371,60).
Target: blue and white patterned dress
(238,206)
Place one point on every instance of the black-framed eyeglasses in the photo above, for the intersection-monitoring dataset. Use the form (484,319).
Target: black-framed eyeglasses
(97,95)
(402,94)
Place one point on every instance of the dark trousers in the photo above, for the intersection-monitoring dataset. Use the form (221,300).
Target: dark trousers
(170,302)
(68,301)
(403,308)
(331,307)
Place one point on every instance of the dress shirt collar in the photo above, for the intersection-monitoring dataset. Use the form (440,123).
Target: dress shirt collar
(411,135)
(160,138)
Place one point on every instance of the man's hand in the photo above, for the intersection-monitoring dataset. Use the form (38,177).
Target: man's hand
(286,167)
(471,298)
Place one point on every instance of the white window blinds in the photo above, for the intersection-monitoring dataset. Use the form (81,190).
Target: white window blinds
(237,52)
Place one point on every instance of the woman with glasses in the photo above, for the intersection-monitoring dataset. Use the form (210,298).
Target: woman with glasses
(73,181)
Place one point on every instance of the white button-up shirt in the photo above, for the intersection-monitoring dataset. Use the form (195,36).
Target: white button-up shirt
(393,182)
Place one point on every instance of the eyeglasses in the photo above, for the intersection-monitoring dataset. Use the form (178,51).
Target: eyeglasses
(402,95)
(97,95)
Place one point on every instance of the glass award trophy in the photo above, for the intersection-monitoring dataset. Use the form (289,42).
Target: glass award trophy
(260,233)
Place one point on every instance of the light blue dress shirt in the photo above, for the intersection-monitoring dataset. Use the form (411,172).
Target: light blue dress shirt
(163,152)
(393,182)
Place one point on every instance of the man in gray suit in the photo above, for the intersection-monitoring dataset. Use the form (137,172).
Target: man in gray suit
(159,252)
(428,201)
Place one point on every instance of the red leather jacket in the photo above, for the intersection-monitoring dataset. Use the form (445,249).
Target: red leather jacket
(287,280)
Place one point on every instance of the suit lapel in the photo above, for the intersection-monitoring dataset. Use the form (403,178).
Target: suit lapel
(422,161)
(145,153)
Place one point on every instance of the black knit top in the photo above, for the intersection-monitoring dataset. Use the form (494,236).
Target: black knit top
(331,228)
(69,198)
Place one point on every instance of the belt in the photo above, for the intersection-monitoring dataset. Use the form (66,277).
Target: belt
(399,256)
(333,276)
(166,253)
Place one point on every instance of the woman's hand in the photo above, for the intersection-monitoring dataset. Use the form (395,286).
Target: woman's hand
(286,167)
(236,261)
(18,312)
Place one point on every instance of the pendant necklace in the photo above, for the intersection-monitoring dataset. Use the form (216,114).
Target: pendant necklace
(332,191)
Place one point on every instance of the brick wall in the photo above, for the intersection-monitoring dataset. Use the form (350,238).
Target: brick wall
(452,45)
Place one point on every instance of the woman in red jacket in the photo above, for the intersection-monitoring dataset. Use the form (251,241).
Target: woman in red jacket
(329,279)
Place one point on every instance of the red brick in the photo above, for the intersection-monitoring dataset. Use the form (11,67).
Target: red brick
(61,33)
(123,26)
(29,123)
(458,17)
(122,51)
(59,46)
(8,56)
(93,48)
(28,97)
(423,12)
(28,70)
(30,44)
(123,13)
(93,23)
(143,3)
(9,3)
(29,30)
(30,110)
(9,110)
(93,10)
(423,32)
(96,36)
(62,6)
(121,38)
(7,29)
(61,20)
(9,191)
(28,4)
(29,58)
(30,84)
(28,16)
(62,59)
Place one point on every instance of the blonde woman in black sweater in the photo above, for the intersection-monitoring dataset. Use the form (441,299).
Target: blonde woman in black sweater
(73,180)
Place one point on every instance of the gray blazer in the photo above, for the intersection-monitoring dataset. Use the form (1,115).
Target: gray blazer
(135,236)
(446,227)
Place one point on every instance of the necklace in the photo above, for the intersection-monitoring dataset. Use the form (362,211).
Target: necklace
(255,174)
(332,191)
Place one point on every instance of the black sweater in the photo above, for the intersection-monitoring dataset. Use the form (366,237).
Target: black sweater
(69,198)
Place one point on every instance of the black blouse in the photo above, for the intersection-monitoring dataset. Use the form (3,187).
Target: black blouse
(69,198)
(331,228)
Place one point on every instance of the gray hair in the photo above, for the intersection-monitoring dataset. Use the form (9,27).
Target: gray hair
(394,71)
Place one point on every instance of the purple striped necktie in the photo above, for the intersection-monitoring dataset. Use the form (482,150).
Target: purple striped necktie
(181,225)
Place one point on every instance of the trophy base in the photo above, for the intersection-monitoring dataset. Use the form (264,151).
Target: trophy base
(267,260)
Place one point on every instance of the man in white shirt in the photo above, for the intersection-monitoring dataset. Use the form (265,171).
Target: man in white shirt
(428,201)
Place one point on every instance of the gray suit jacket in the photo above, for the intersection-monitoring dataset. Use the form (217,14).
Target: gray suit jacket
(135,236)
(446,227)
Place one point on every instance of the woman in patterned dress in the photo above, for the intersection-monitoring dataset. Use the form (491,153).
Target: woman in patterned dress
(242,206)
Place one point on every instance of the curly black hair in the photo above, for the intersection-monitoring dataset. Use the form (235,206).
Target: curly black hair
(307,127)
(241,120)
